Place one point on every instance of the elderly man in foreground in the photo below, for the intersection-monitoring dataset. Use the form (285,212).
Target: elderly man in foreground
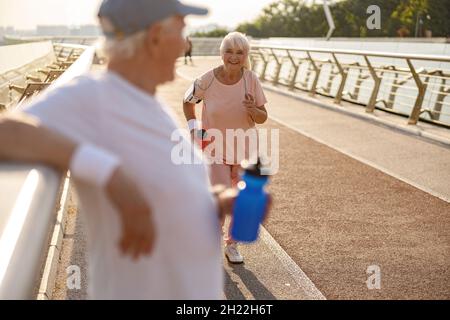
(152,226)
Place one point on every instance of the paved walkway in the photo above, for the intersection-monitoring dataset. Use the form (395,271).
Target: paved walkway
(268,273)
(341,205)
(410,158)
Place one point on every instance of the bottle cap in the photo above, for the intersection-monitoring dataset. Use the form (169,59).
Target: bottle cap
(255,169)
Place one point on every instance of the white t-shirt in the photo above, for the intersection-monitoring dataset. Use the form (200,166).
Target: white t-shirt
(109,112)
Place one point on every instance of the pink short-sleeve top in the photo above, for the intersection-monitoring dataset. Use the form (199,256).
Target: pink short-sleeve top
(223,106)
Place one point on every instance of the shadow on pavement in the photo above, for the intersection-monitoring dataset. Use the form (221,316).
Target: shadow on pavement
(251,282)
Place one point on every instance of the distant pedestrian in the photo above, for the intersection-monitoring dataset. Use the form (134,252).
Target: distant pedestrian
(188,51)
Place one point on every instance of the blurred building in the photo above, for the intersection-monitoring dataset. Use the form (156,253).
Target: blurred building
(56,30)
(61,30)
(86,30)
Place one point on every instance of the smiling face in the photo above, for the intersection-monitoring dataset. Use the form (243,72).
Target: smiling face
(234,58)
(234,50)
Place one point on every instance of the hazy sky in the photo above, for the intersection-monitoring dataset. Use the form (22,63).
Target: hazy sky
(26,14)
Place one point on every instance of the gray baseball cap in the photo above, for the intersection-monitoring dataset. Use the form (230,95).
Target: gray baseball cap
(131,16)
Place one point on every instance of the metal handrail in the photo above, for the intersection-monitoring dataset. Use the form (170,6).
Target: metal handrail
(270,61)
(83,40)
(68,55)
(27,206)
(27,209)
(438,58)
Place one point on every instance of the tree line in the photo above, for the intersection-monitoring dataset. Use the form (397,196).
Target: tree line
(404,18)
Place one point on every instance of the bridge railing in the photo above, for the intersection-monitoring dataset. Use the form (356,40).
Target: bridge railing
(27,210)
(27,84)
(416,86)
(206,46)
(82,40)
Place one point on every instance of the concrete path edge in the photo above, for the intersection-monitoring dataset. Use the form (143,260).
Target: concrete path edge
(367,162)
(291,267)
(48,279)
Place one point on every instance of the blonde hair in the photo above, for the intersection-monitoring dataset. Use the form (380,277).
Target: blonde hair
(236,40)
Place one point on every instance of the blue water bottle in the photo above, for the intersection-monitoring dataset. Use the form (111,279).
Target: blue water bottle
(250,204)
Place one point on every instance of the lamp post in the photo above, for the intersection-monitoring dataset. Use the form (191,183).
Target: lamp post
(419,22)
(330,19)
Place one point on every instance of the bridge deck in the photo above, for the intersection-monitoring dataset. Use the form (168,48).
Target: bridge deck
(349,194)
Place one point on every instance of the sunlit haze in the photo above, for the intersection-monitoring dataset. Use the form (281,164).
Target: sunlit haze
(27,14)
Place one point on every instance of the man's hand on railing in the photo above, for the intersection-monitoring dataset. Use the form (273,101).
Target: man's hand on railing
(24,139)
(138,230)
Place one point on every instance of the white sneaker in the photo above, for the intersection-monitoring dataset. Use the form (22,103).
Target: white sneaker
(232,253)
